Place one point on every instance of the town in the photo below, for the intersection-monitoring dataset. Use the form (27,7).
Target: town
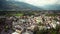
(37,23)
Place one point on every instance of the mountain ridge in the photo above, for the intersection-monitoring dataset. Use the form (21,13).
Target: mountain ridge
(18,6)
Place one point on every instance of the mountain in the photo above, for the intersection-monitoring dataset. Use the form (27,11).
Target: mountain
(52,7)
(12,5)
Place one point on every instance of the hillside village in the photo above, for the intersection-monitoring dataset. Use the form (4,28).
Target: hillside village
(27,23)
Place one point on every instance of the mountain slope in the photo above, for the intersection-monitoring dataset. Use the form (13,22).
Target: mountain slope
(17,6)
(51,7)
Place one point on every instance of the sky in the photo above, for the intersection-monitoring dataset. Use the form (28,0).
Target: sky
(40,2)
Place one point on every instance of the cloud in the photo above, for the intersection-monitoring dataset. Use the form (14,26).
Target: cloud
(40,2)
(58,2)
